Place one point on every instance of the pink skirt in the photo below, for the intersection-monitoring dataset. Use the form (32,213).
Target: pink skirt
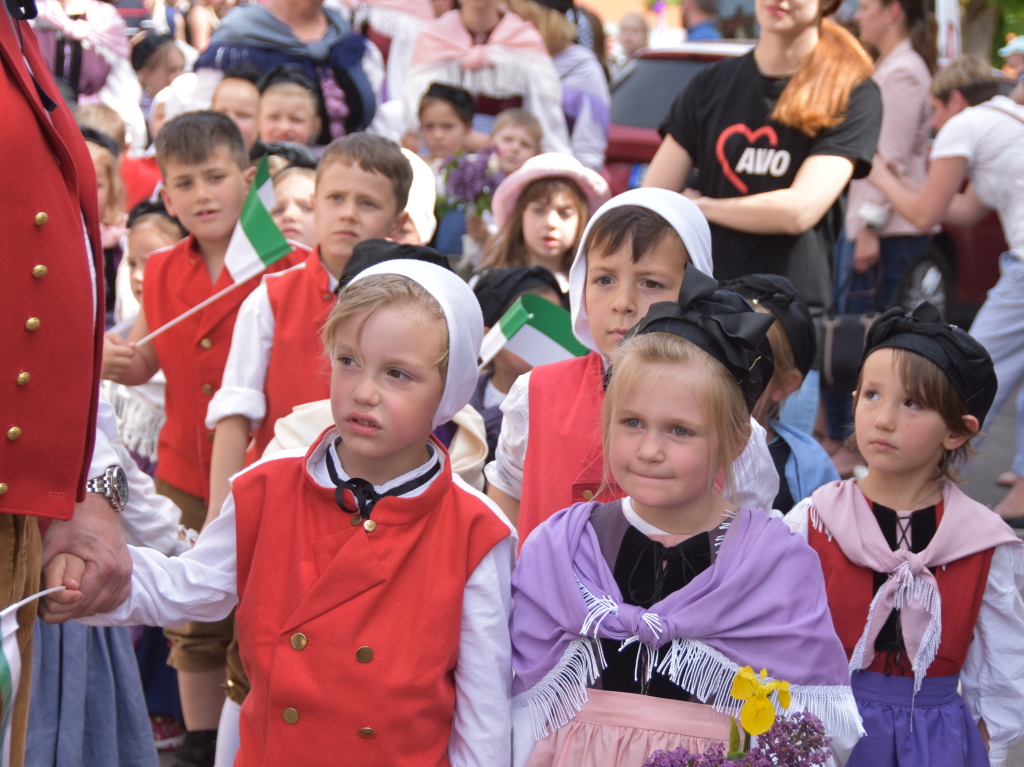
(619,728)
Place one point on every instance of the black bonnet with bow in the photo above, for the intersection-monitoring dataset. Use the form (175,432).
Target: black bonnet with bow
(964,361)
(722,324)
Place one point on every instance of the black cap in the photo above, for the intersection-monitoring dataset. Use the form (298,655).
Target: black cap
(459,98)
(780,296)
(145,46)
(296,155)
(371,252)
(965,362)
(288,73)
(497,289)
(94,136)
(152,207)
(562,6)
(244,71)
(721,323)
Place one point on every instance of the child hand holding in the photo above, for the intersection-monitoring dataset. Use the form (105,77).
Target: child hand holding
(63,570)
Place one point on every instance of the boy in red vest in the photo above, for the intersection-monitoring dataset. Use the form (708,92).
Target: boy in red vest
(205,168)
(373,585)
(276,360)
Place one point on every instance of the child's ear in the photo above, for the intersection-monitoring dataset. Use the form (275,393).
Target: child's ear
(953,440)
(167,201)
(249,174)
(400,221)
(787,385)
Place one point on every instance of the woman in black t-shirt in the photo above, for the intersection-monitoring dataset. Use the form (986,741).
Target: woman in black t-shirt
(777,134)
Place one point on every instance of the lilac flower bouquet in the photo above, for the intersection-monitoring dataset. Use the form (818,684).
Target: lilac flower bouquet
(799,741)
(470,181)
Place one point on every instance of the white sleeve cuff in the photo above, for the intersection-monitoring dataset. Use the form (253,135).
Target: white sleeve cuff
(103,452)
(237,400)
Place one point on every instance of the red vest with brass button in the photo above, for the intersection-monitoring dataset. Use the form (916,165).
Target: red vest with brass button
(564,456)
(51,321)
(369,680)
(192,354)
(850,590)
(299,370)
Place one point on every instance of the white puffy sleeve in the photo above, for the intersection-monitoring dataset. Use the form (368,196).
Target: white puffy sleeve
(797,518)
(505,472)
(992,677)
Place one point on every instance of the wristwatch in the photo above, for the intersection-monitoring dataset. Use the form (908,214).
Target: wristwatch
(112,485)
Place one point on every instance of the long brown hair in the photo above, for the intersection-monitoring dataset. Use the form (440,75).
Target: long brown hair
(923,30)
(818,93)
(508,249)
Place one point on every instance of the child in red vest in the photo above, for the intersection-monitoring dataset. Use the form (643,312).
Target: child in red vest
(922,581)
(633,253)
(373,614)
(276,362)
(205,167)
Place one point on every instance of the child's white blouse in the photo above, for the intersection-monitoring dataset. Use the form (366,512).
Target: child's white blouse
(992,678)
(201,585)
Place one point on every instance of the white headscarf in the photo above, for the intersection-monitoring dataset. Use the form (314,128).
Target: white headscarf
(683,215)
(422,197)
(754,475)
(465,327)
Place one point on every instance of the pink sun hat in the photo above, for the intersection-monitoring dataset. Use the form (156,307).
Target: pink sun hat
(550,165)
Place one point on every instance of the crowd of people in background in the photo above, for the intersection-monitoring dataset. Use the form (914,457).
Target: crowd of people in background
(346,538)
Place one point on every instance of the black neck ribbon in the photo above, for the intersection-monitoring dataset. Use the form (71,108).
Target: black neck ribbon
(357,495)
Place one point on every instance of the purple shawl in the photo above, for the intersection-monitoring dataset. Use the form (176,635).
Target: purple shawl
(762,603)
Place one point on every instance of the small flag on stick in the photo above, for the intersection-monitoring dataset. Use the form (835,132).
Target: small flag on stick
(10,669)
(255,244)
(536,330)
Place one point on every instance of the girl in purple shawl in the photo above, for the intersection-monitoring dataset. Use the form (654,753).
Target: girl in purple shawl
(631,618)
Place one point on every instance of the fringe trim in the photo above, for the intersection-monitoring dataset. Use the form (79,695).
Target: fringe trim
(140,420)
(1017,558)
(817,522)
(556,699)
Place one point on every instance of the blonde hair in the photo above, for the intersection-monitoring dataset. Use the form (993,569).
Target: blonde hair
(519,118)
(101,118)
(294,89)
(928,386)
(785,360)
(105,161)
(554,26)
(640,358)
(375,292)
(971,75)
(818,94)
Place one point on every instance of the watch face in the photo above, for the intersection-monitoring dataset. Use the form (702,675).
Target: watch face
(119,485)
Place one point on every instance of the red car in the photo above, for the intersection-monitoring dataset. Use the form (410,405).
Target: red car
(954,272)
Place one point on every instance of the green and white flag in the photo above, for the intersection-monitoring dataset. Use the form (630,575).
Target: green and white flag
(10,669)
(536,330)
(257,242)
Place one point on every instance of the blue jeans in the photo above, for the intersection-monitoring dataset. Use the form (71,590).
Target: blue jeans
(861,296)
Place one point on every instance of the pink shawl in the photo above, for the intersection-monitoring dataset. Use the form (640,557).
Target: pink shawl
(447,38)
(840,509)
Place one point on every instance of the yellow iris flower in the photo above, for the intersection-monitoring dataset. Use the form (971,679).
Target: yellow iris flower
(758,714)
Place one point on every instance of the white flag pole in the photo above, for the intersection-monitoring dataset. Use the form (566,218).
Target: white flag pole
(181,317)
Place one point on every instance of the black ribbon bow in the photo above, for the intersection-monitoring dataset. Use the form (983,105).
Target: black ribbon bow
(357,495)
(720,323)
(963,359)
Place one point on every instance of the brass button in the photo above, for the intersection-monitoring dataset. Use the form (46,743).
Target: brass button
(39,271)
(209,436)
(588,495)
(328,296)
(3,488)
(369,525)
(290,715)
(367,732)
(41,218)
(32,323)
(206,343)
(13,433)
(206,389)
(298,641)
(24,378)
(364,654)
(356,520)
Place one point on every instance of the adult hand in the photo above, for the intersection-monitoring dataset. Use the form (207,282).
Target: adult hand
(93,535)
(866,251)
(117,356)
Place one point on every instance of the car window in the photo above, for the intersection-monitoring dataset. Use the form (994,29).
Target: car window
(643,93)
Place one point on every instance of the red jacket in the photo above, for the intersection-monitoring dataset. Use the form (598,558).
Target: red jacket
(350,637)
(51,322)
(564,457)
(850,590)
(191,354)
(299,370)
